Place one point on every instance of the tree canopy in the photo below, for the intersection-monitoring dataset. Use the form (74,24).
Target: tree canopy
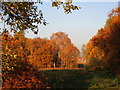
(25,16)
(104,47)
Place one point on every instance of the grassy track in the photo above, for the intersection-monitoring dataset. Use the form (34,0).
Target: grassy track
(80,79)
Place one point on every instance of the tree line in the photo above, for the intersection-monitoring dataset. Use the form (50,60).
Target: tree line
(58,51)
(103,49)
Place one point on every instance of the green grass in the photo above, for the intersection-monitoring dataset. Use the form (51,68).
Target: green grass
(81,79)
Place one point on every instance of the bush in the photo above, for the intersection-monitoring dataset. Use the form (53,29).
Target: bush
(23,77)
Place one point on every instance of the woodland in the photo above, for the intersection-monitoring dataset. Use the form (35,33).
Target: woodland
(25,61)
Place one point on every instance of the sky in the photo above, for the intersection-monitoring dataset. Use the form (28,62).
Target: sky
(80,25)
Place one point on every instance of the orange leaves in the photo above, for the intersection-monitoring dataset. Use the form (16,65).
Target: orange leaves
(25,79)
(16,72)
(41,52)
(105,45)
(96,52)
(114,12)
(68,53)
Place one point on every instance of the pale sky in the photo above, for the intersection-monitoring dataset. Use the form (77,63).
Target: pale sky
(80,25)
(82,0)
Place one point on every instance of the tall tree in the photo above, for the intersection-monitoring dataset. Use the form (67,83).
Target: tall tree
(16,71)
(68,53)
(105,44)
(42,52)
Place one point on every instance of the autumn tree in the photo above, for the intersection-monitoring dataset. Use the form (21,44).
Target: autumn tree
(16,71)
(68,53)
(53,49)
(69,56)
(7,57)
(105,45)
(42,52)
(13,50)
